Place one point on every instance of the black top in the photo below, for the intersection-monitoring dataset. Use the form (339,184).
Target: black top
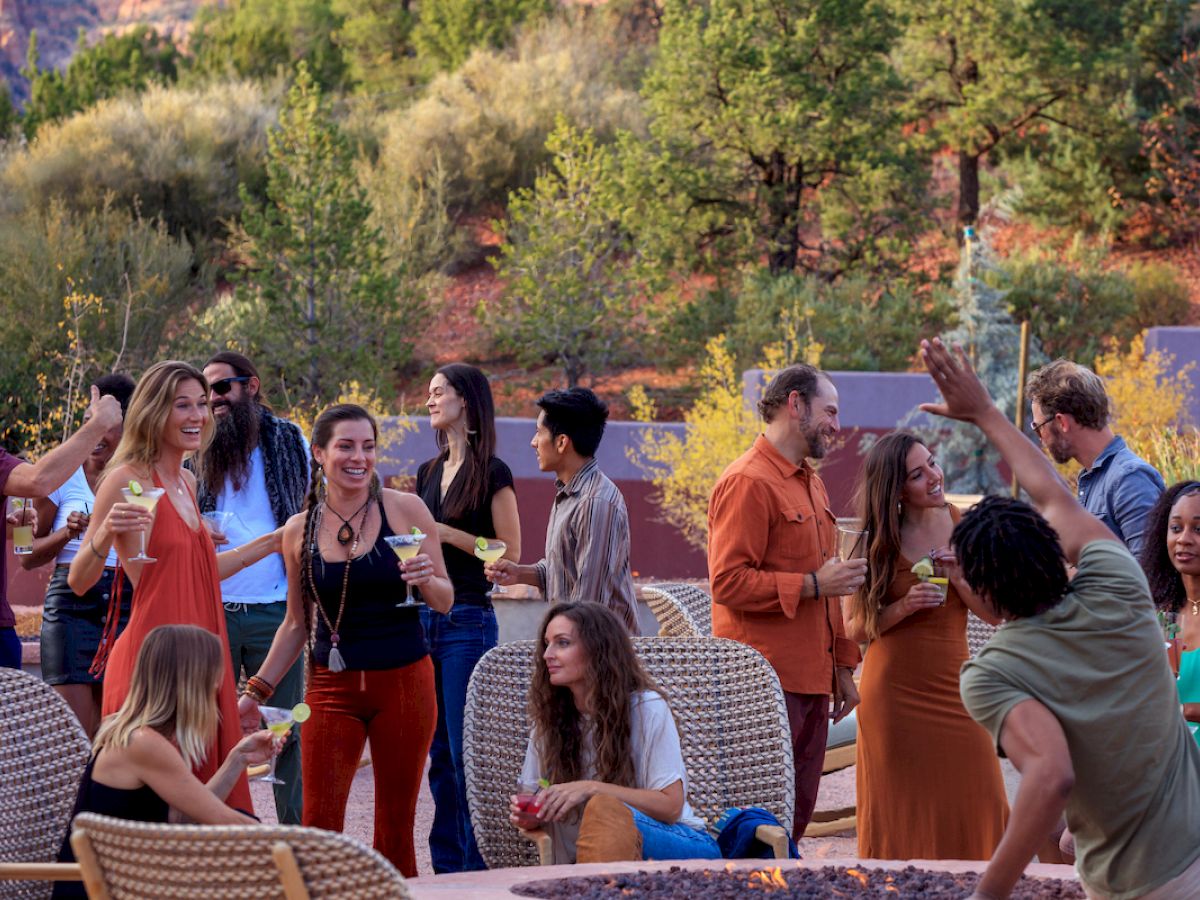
(136,804)
(465,570)
(374,633)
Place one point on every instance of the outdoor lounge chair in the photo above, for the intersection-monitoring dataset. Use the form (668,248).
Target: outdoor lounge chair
(682,610)
(43,752)
(727,703)
(124,860)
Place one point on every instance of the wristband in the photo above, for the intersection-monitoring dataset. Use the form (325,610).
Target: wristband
(816,587)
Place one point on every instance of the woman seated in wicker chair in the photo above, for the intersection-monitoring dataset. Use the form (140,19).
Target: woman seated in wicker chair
(143,756)
(605,747)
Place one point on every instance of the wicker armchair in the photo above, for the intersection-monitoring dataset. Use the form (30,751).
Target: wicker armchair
(43,752)
(979,633)
(139,861)
(727,703)
(682,610)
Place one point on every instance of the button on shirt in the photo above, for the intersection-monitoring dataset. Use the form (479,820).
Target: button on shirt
(587,546)
(1119,489)
(769,526)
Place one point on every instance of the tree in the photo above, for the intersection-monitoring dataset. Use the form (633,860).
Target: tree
(126,62)
(449,30)
(776,129)
(8,113)
(987,73)
(376,41)
(572,273)
(1171,139)
(317,301)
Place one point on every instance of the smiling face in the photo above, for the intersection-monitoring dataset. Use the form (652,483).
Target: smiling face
(239,391)
(819,426)
(1183,535)
(348,458)
(185,423)
(565,656)
(923,480)
(445,404)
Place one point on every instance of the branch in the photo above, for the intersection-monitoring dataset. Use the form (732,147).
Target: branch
(125,324)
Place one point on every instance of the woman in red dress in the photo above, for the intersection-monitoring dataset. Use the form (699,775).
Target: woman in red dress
(168,420)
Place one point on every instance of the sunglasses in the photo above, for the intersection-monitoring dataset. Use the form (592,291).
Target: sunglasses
(225,385)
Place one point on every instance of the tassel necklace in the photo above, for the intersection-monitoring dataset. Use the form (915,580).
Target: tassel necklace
(345,534)
(336,662)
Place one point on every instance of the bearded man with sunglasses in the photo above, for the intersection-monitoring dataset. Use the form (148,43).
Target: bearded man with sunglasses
(256,467)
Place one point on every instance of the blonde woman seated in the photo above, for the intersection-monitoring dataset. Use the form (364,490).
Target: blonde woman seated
(605,741)
(144,754)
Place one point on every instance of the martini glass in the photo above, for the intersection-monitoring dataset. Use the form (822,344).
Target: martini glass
(489,553)
(147,498)
(279,723)
(220,519)
(406,546)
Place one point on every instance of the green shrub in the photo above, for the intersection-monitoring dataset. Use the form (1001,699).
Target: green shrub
(448,30)
(169,152)
(1160,295)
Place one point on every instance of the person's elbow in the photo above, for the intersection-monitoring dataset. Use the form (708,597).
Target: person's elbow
(79,582)
(1054,777)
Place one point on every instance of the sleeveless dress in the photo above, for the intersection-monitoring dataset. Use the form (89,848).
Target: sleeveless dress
(1189,684)
(929,782)
(182,588)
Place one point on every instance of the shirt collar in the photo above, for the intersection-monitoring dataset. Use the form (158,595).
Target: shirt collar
(575,485)
(1115,446)
(785,467)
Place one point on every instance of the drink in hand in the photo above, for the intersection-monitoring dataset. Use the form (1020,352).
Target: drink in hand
(22,534)
(406,546)
(490,551)
(147,498)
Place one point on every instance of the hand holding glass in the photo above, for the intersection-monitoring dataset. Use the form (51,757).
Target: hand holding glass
(219,519)
(279,723)
(940,579)
(852,544)
(147,498)
(22,534)
(406,546)
(489,553)
(528,800)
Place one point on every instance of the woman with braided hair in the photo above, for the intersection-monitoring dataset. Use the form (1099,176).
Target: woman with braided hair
(370,677)
(929,784)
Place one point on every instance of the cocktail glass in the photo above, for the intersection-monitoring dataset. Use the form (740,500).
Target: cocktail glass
(220,519)
(489,554)
(852,544)
(279,723)
(528,800)
(147,499)
(940,579)
(22,534)
(406,546)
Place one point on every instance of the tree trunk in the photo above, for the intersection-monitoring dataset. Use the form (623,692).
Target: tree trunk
(968,188)
(783,189)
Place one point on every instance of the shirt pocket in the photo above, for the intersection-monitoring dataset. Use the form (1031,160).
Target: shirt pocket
(795,535)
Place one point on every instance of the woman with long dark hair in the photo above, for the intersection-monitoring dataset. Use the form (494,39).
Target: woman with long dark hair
(605,743)
(1171,561)
(929,784)
(370,678)
(145,754)
(470,492)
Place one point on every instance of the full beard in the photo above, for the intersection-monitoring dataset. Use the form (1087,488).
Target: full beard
(227,459)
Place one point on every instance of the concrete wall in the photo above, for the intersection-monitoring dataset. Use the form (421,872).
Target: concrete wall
(1183,344)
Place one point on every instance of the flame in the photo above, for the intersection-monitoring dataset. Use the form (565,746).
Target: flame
(770,879)
(729,867)
(859,875)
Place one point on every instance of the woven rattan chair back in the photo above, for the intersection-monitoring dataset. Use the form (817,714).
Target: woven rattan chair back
(979,633)
(43,752)
(727,704)
(682,610)
(140,861)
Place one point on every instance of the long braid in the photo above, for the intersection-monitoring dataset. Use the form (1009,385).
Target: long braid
(308,590)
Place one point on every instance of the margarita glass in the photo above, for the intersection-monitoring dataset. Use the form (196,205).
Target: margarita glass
(22,535)
(147,498)
(279,723)
(406,546)
(489,552)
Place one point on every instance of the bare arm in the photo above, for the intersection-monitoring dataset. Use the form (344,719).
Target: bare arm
(1033,739)
(52,470)
(113,522)
(966,399)
(233,561)
(158,764)
(505,519)
(559,800)
(46,543)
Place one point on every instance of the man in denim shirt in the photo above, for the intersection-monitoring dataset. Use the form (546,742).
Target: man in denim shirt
(1070,415)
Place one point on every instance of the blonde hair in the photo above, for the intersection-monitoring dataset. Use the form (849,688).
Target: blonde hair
(149,409)
(173,691)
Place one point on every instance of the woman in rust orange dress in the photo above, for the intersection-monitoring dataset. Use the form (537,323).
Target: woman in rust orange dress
(929,783)
(167,421)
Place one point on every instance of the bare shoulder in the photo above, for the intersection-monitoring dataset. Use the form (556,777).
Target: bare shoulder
(293,530)
(120,477)
(190,477)
(149,748)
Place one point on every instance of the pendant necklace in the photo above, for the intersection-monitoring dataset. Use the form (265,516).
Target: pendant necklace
(336,662)
(345,534)
(1195,606)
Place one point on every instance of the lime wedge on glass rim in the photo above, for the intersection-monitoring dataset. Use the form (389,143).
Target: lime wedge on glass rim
(481,543)
(300,712)
(135,488)
(923,568)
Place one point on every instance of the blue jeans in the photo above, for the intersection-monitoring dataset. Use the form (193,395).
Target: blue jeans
(10,648)
(456,642)
(678,841)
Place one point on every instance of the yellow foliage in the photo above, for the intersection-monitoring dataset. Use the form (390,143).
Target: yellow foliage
(391,428)
(720,427)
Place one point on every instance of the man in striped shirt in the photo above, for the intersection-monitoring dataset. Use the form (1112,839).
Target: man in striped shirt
(587,539)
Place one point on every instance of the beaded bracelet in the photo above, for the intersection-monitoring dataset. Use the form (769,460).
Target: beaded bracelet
(816,587)
(259,688)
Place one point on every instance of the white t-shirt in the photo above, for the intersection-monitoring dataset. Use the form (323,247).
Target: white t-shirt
(266,580)
(75,495)
(657,764)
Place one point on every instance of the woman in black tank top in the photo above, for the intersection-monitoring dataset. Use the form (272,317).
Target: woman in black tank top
(370,676)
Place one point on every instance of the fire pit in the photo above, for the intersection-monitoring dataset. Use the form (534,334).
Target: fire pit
(830,881)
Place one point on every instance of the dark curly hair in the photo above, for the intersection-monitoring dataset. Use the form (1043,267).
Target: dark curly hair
(1166,587)
(615,674)
(1011,555)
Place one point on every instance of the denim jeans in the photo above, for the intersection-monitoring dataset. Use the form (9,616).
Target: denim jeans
(678,841)
(456,642)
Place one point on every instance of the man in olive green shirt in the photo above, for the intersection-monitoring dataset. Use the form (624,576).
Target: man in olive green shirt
(1075,687)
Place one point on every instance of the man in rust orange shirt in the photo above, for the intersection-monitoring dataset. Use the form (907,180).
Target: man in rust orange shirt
(776,578)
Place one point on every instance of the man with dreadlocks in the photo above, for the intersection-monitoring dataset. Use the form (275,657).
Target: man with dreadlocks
(1075,688)
(256,467)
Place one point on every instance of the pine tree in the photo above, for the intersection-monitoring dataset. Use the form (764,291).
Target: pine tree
(324,305)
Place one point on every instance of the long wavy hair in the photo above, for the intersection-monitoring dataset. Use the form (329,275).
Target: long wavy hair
(322,434)
(173,691)
(878,501)
(1166,584)
(472,492)
(615,674)
(149,408)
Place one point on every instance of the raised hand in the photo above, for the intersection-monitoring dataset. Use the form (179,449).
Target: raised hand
(105,411)
(965,398)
